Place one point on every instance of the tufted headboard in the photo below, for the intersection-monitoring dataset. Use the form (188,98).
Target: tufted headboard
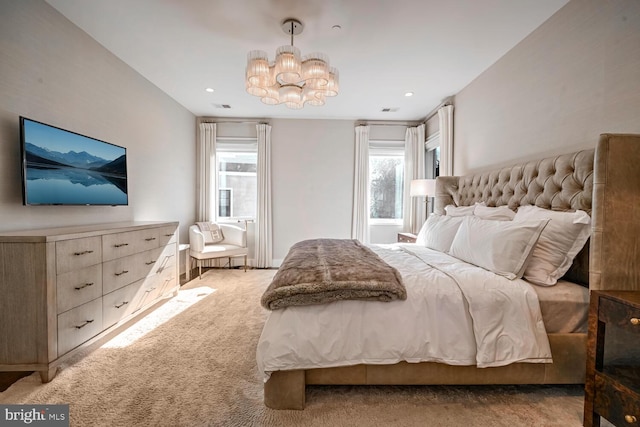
(604,182)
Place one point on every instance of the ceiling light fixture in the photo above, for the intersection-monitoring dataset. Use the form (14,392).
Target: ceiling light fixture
(291,79)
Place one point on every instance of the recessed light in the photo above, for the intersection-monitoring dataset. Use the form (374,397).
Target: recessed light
(337,27)
(210,90)
(408,94)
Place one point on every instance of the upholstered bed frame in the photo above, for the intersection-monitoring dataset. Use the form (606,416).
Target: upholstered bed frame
(604,182)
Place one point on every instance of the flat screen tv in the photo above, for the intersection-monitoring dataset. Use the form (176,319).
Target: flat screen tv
(60,167)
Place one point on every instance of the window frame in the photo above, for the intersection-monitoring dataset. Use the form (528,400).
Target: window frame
(387,148)
(234,145)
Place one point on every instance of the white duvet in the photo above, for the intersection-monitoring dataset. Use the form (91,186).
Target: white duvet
(455,313)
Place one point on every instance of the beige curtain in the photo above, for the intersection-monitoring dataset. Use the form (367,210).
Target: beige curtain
(414,156)
(264,239)
(206,172)
(445,114)
(360,217)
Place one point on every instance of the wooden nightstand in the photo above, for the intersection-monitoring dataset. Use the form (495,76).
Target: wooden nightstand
(612,385)
(407,237)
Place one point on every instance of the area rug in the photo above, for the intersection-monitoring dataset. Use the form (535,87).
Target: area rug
(192,363)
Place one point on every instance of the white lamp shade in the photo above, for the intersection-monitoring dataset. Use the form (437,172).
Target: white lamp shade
(423,187)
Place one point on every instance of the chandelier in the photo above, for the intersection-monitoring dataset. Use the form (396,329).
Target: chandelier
(291,79)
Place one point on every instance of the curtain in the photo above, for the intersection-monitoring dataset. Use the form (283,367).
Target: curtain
(206,173)
(360,220)
(414,156)
(445,114)
(263,245)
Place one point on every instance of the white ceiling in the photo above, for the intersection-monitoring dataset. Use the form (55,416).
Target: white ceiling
(385,48)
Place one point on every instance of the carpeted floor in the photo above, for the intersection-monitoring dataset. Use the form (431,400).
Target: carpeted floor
(192,363)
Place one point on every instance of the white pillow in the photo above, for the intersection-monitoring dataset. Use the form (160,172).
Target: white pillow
(559,243)
(438,232)
(452,210)
(503,247)
(211,231)
(501,213)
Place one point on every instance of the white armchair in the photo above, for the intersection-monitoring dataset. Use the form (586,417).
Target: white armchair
(233,244)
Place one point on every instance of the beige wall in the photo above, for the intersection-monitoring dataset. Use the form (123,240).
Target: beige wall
(576,76)
(53,72)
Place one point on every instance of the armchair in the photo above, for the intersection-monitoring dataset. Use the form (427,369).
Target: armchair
(233,244)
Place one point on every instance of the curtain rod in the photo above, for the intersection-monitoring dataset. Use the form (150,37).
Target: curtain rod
(447,101)
(387,124)
(234,122)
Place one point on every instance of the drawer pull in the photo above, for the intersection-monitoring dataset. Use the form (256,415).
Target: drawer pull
(149,239)
(83,286)
(122,272)
(119,245)
(630,418)
(84,324)
(635,321)
(82,253)
(169,235)
(150,262)
(123,303)
(150,290)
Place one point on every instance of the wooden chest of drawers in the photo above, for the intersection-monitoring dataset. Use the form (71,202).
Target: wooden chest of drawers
(66,288)
(612,388)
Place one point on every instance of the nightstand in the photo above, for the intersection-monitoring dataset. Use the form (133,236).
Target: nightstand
(407,237)
(612,385)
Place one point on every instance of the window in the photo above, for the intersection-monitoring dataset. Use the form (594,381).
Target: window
(237,179)
(432,160)
(386,181)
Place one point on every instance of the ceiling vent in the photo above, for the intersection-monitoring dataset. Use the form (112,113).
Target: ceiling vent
(389,110)
(224,106)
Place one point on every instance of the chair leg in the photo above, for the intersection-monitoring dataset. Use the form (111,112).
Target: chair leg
(199,262)
(230,266)
(245,263)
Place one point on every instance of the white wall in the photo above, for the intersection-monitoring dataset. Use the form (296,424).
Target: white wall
(312,181)
(53,72)
(573,78)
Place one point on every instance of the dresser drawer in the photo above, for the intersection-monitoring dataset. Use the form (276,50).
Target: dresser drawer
(120,303)
(619,406)
(167,235)
(77,287)
(118,245)
(622,315)
(79,325)
(78,253)
(122,271)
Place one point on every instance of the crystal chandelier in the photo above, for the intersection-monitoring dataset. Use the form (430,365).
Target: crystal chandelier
(291,79)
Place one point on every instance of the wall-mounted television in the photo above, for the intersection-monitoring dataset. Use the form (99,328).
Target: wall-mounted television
(60,167)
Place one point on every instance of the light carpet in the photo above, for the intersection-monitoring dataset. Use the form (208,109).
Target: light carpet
(192,363)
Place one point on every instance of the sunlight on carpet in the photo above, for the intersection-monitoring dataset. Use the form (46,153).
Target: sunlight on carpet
(185,299)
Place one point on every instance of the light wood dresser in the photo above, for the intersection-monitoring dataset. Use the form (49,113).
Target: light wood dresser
(65,289)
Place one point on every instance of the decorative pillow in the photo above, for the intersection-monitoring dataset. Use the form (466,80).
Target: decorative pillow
(452,210)
(438,232)
(500,213)
(211,232)
(503,247)
(559,243)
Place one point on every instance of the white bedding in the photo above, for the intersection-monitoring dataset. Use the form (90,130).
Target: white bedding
(455,313)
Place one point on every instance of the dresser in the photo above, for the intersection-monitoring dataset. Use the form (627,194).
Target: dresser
(65,289)
(612,385)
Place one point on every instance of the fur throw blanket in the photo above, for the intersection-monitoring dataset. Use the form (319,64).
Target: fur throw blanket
(324,270)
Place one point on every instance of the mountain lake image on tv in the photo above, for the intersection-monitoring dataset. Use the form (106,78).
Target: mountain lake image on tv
(61,167)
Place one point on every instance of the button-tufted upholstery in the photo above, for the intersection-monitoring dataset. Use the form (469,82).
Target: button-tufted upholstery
(560,183)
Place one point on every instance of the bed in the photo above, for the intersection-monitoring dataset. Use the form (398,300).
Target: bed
(601,182)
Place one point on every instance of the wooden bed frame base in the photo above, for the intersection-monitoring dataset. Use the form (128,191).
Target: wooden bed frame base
(286,389)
